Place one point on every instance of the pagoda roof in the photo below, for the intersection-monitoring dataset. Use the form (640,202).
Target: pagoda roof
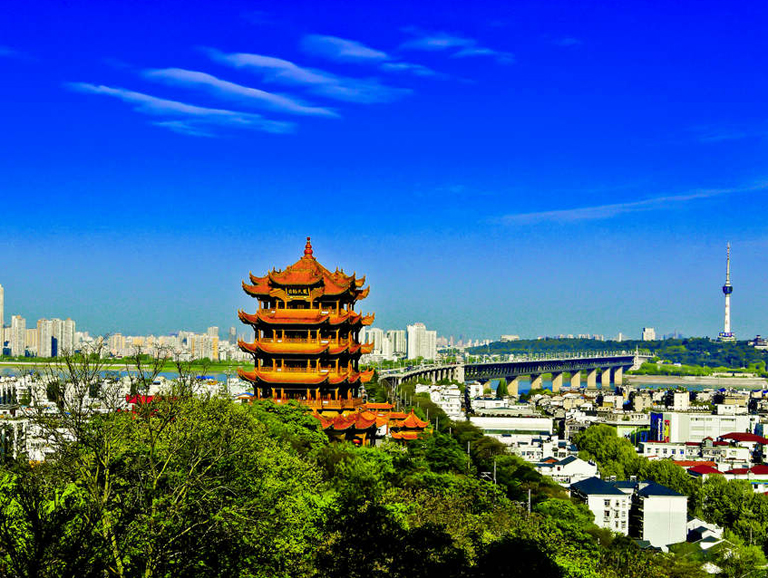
(307,272)
(305,377)
(358,421)
(298,317)
(412,421)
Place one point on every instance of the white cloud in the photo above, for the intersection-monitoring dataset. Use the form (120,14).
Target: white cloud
(226,89)
(611,210)
(345,50)
(460,46)
(361,90)
(411,68)
(341,49)
(195,115)
(437,41)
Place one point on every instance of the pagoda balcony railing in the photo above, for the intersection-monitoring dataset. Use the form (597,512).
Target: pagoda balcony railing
(321,310)
(334,404)
(323,341)
(311,340)
(312,369)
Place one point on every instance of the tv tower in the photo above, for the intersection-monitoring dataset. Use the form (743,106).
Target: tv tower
(726,334)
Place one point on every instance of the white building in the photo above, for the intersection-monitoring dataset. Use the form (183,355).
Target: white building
(659,515)
(448,397)
(421,343)
(649,334)
(681,401)
(67,343)
(398,340)
(44,338)
(568,470)
(18,335)
(679,427)
(609,505)
(497,426)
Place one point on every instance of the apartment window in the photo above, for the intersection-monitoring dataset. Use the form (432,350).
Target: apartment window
(607,503)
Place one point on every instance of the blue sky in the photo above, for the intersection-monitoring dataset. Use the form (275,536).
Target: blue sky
(527,167)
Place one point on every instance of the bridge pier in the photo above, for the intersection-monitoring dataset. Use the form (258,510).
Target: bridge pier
(605,379)
(536,381)
(618,376)
(513,385)
(557,382)
(592,379)
(576,380)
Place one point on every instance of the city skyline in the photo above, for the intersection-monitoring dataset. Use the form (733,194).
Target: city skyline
(529,169)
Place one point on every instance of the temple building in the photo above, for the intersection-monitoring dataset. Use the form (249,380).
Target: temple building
(306,344)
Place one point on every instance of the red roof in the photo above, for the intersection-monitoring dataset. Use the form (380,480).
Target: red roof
(744,437)
(703,470)
(693,463)
(760,469)
(720,443)
(307,272)
(693,443)
(738,471)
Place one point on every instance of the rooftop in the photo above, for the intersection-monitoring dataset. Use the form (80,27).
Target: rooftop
(596,486)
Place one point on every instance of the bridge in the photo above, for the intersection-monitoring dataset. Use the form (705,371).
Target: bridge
(609,365)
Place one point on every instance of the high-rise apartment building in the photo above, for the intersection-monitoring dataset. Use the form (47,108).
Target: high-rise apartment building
(232,335)
(30,340)
(376,336)
(213,331)
(67,343)
(44,338)
(397,338)
(421,343)
(18,335)
(649,334)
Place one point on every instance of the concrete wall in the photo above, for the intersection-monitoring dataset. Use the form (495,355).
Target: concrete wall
(664,519)
(501,425)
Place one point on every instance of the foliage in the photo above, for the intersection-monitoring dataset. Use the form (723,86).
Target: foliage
(198,486)
(732,504)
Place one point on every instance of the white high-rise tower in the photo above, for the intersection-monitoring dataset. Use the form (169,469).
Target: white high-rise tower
(727,334)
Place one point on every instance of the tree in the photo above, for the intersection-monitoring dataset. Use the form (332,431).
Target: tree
(502,390)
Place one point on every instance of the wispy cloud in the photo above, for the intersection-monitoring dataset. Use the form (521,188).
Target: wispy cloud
(320,82)
(599,212)
(721,133)
(194,116)
(226,89)
(341,49)
(8,52)
(568,41)
(411,68)
(459,46)
(346,50)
